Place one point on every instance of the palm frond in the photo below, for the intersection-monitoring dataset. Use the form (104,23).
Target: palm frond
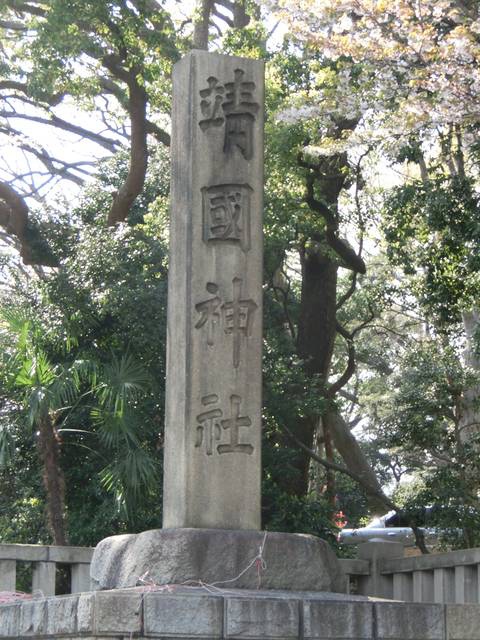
(17,323)
(124,380)
(131,473)
(84,371)
(116,429)
(38,403)
(36,370)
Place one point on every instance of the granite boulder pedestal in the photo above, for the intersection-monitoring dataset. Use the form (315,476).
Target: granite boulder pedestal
(216,557)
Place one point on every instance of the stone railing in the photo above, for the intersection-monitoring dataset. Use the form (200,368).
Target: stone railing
(45,561)
(382,571)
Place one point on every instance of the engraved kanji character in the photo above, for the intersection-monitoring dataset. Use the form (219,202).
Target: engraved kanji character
(208,312)
(238,318)
(211,104)
(208,429)
(240,110)
(226,214)
(233,425)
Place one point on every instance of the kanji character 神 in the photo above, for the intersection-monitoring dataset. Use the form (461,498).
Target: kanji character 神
(208,312)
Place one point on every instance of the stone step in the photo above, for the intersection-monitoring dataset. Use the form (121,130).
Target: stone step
(190,613)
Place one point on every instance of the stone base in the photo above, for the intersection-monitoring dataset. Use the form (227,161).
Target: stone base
(182,613)
(218,557)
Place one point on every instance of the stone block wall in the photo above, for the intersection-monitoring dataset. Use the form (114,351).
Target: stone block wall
(194,613)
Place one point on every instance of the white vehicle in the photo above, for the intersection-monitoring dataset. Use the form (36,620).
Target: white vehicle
(380,530)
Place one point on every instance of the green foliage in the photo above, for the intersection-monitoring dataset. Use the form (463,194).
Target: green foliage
(433,233)
(62,42)
(309,514)
(248,42)
(88,348)
(419,420)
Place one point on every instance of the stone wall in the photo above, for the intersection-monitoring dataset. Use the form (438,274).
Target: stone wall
(191,613)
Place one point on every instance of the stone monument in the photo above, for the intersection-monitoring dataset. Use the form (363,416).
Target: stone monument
(212,462)
(213,409)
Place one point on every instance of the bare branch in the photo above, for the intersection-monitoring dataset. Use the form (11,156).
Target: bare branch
(55,121)
(227,4)
(351,365)
(161,135)
(152,5)
(222,16)
(50,163)
(239,10)
(33,8)
(12,26)
(22,87)
(333,466)
(349,292)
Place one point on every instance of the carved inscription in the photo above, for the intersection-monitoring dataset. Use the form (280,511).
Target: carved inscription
(211,427)
(226,214)
(211,104)
(235,316)
(232,104)
(208,428)
(209,316)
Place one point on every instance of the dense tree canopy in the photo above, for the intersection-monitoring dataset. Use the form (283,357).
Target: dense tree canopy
(372,260)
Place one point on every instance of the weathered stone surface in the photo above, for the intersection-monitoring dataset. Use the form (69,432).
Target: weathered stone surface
(8,575)
(463,621)
(9,619)
(215,556)
(85,611)
(262,618)
(80,577)
(212,461)
(33,618)
(332,620)
(118,612)
(194,613)
(410,621)
(62,614)
(166,615)
(43,578)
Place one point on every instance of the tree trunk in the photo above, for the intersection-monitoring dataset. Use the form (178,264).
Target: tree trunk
(240,16)
(53,479)
(353,456)
(316,338)
(469,424)
(317,320)
(330,485)
(133,185)
(202,22)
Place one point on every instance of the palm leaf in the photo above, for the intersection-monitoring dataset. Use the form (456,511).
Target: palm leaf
(131,473)
(116,429)
(124,380)
(36,370)
(38,402)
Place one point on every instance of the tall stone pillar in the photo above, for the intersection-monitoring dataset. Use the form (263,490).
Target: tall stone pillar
(212,461)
